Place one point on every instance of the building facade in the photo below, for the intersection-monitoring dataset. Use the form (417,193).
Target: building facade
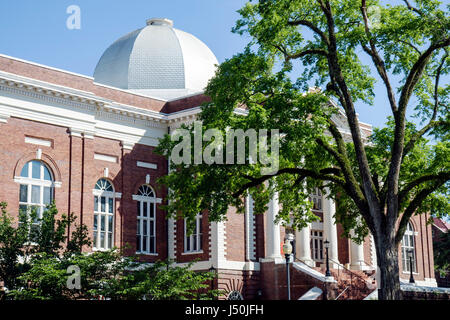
(87,143)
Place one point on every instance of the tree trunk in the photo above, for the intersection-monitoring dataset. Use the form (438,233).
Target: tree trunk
(387,260)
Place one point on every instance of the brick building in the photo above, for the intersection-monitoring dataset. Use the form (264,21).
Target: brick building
(87,143)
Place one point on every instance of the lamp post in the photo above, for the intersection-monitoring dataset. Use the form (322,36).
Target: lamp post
(410,255)
(212,270)
(287,249)
(327,246)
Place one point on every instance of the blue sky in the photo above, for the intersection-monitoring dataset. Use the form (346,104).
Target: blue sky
(36,31)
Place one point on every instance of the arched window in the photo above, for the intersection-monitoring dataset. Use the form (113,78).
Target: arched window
(408,249)
(104,204)
(146,220)
(193,242)
(36,189)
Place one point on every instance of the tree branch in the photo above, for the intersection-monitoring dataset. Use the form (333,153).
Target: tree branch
(432,123)
(412,207)
(400,122)
(440,176)
(377,60)
(301,54)
(410,7)
(321,175)
(311,26)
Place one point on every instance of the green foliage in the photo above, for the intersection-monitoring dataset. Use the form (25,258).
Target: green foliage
(263,79)
(110,275)
(35,264)
(295,47)
(12,242)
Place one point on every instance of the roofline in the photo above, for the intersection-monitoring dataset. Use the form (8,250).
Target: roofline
(46,66)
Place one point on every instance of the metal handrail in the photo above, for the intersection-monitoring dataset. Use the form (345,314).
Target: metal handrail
(340,294)
(349,271)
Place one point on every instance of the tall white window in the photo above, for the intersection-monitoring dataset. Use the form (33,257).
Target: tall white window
(146,220)
(408,248)
(36,189)
(104,200)
(317,245)
(193,242)
(316,199)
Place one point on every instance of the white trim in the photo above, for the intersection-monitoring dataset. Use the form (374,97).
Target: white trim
(225,265)
(106,214)
(38,141)
(146,165)
(104,157)
(312,272)
(150,203)
(195,238)
(311,294)
(142,198)
(191,253)
(23,180)
(101,193)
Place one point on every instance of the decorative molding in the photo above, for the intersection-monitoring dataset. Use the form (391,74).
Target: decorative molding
(127,145)
(142,198)
(4,117)
(38,141)
(146,165)
(105,157)
(23,180)
(110,194)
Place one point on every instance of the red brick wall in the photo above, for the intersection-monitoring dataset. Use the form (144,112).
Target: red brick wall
(235,236)
(71,159)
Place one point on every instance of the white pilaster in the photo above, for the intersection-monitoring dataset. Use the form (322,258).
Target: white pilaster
(171,244)
(273,230)
(303,248)
(329,228)
(217,244)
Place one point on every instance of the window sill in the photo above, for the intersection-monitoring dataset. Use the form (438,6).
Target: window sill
(147,254)
(190,253)
(408,272)
(101,249)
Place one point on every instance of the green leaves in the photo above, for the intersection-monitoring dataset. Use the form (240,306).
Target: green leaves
(345,46)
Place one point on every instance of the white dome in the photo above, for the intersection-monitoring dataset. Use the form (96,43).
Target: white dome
(157,60)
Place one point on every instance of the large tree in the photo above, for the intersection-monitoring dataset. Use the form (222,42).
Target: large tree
(343,47)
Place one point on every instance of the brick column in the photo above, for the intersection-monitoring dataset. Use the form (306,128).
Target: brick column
(89,179)
(75,197)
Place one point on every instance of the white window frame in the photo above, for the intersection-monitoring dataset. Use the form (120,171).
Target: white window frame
(409,237)
(31,182)
(316,198)
(150,201)
(317,249)
(195,239)
(108,195)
